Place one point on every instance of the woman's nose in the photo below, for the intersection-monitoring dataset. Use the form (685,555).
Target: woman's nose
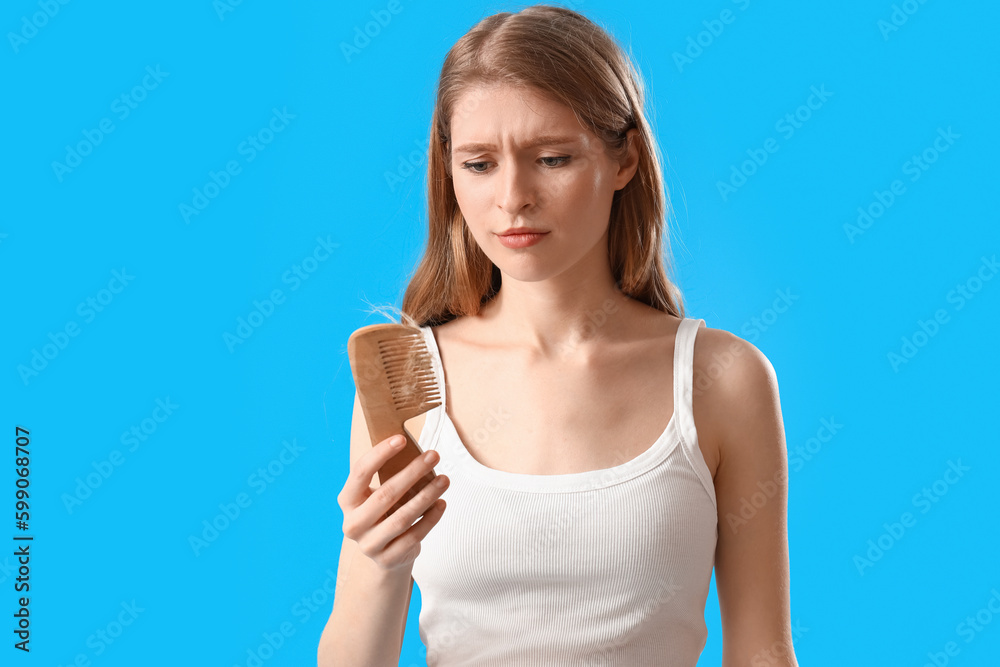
(515,189)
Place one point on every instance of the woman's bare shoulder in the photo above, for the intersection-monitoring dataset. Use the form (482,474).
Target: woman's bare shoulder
(735,390)
(728,364)
(452,327)
(461,331)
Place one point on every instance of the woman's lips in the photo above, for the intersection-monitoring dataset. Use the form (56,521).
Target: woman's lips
(521,240)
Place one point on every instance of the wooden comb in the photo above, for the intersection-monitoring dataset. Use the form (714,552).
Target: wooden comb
(395,380)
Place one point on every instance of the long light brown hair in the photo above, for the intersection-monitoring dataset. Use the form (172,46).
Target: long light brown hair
(565,56)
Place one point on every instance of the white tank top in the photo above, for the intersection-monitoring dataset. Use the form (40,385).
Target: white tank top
(603,567)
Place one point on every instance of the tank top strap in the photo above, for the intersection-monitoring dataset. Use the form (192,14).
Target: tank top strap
(687,331)
(435,417)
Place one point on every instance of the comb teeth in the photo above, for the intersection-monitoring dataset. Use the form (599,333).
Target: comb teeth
(409,371)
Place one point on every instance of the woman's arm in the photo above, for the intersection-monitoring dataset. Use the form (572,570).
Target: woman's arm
(741,412)
(368,621)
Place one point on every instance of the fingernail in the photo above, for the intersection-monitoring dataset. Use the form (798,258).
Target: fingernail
(397,441)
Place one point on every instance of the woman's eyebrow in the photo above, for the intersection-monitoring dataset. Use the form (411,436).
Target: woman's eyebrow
(540,140)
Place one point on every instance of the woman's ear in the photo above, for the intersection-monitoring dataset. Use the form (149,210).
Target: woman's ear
(628,166)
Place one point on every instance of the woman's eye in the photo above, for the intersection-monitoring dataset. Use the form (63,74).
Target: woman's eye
(471,166)
(480,167)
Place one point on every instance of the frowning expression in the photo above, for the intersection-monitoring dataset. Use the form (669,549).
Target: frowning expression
(520,159)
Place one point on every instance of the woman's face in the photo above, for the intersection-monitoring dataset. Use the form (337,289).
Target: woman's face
(521,160)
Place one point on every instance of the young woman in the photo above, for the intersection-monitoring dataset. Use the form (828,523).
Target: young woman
(598,449)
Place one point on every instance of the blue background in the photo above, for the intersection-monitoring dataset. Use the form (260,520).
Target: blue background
(323,179)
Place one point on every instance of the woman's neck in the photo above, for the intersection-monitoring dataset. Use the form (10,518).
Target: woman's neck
(555,321)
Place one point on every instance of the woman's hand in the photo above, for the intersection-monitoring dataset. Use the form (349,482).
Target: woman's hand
(392,542)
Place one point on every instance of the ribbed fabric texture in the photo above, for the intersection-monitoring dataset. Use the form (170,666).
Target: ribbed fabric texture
(604,567)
